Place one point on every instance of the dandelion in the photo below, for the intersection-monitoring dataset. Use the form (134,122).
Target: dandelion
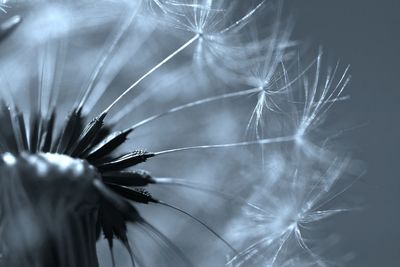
(66,181)
(75,164)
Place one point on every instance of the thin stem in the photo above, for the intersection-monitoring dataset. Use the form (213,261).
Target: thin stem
(200,222)
(243,19)
(247,143)
(103,61)
(195,103)
(199,187)
(180,49)
(125,111)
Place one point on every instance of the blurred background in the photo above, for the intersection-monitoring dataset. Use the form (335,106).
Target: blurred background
(362,33)
(366,35)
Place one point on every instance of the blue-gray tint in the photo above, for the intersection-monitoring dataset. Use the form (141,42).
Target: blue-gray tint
(365,34)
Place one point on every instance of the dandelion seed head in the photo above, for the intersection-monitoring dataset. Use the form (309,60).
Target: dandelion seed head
(74,177)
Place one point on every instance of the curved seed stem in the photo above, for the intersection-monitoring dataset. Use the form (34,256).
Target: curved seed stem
(247,143)
(180,49)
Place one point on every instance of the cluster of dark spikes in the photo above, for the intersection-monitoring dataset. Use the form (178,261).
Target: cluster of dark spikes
(93,142)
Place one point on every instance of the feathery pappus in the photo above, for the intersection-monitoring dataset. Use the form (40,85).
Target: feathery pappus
(68,172)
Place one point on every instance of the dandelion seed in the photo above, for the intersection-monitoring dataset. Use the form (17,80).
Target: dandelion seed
(288,208)
(207,19)
(46,163)
(247,143)
(165,60)
(190,105)
(319,97)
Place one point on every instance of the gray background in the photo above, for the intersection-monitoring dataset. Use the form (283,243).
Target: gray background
(366,35)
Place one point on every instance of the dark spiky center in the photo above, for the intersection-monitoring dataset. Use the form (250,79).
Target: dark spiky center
(48,209)
(66,185)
